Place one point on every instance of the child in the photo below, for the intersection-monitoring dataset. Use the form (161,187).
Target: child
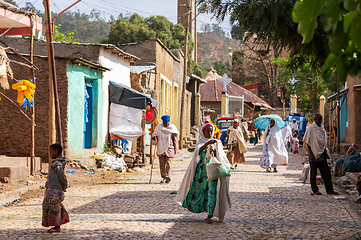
(295,144)
(54,213)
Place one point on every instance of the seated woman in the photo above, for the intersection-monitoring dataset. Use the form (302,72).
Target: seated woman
(351,162)
(196,193)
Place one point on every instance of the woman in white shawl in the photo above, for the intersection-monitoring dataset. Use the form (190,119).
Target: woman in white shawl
(196,193)
(274,150)
(236,144)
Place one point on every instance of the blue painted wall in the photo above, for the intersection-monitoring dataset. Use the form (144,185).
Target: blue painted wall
(343,117)
(77,76)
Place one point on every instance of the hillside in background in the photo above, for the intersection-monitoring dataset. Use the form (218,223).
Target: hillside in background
(213,47)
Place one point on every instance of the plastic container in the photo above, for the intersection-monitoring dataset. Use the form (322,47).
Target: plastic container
(70,171)
(86,172)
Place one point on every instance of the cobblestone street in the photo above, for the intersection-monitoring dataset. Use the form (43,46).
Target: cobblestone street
(264,206)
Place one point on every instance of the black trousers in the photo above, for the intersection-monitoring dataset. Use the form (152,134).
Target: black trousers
(325,174)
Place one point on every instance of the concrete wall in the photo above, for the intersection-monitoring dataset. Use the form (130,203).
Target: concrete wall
(77,75)
(353,131)
(119,73)
(15,128)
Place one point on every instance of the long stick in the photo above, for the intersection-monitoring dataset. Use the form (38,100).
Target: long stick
(151,170)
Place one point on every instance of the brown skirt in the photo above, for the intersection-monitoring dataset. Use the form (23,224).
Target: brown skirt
(235,157)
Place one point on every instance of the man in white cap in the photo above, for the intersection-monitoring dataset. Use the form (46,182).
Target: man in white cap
(167,136)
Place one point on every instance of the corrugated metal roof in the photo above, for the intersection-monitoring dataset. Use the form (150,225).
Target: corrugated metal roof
(141,69)
(212,91)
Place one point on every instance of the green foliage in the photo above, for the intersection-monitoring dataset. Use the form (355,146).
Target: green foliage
(341,21)
(61,37)
(271,21)
(222,67)
(300,81)
(137,29)
(212,28)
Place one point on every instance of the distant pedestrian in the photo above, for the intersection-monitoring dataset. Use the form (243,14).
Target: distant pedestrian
(294,127)
(274,149)
(287,136)
(253,136)
(167,136)
(236,144)
(54,213)
(196,193)
(316,140)
(296,144)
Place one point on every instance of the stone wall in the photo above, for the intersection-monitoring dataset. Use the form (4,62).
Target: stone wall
(14,127)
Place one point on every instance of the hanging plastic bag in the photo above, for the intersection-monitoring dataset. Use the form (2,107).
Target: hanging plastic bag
(216,169)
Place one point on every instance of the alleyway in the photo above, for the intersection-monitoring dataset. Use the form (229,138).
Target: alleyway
(265,206)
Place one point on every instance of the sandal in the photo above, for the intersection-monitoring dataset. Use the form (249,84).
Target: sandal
(53,230)
(268,170)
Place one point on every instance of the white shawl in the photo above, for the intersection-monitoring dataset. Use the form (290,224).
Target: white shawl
(223,201)
(277,152)
(237,134)
(316,138)
(286,133)
(164,135)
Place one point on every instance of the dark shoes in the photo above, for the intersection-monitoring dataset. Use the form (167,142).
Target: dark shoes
(275,170)
(333,193)
(316,193)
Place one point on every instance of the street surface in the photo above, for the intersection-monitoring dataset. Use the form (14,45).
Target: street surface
(265,206)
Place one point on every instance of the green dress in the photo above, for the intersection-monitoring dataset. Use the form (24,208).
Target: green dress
(202,195)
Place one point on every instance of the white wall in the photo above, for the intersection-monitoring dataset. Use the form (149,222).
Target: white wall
(119,73)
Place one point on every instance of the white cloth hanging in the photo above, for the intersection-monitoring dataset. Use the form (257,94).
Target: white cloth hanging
(125,122)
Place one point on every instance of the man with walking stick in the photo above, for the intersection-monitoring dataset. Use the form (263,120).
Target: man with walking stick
(166,135)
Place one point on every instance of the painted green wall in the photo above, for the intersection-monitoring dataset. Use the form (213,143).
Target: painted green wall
(76,75)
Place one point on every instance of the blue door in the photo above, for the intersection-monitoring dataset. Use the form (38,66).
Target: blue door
(88,115)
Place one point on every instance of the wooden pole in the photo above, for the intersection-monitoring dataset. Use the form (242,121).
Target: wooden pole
(184,85)
(143,138)
(51,111)
(195,32)
(54,107)
(32,145)
(338,116)
(151,144)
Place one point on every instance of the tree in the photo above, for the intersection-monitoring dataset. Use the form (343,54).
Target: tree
(341,21)
(136,29)
(271,21)
(61,37)
(307,84)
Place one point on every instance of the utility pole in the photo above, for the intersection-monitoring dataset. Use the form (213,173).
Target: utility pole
(54,107)
(184,85)
(32,75)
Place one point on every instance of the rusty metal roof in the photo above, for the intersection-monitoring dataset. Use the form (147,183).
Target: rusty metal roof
(212,91)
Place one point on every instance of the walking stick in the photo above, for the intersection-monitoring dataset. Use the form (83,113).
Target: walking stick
(151,170)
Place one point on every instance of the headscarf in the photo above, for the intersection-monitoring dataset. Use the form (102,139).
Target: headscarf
(351,148)
(207,125)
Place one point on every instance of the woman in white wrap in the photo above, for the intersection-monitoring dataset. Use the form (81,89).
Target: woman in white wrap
(274,150)
(196,193)
(236,144)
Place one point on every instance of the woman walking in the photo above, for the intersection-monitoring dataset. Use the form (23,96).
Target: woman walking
(236,144)
(274,150)
(196,193)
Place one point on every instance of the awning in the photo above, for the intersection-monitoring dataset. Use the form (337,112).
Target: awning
(335,94)
(123,95)
(141,69)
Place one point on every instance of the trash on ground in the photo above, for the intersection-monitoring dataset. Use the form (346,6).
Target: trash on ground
(113,163)
(340,197)
(86,172)
(70,171)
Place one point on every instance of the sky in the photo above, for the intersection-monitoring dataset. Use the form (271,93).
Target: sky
(144,8)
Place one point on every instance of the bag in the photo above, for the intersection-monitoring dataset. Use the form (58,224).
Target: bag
(216,169)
